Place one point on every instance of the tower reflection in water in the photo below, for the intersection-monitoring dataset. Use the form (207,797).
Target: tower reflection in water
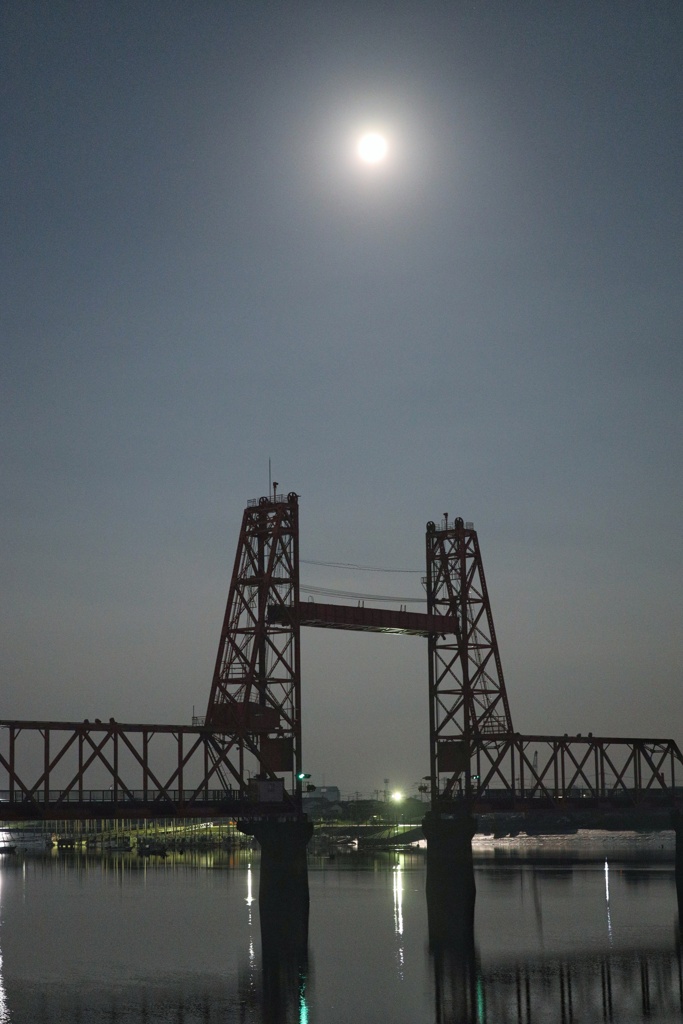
(280,995)
(583,988)
(4,1011)
(457,977)
(285,960)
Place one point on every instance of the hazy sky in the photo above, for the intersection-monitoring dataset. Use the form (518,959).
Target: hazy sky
(198,275)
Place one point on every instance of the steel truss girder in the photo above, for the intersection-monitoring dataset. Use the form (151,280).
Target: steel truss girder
(113,770)
(533,771)
(256,687)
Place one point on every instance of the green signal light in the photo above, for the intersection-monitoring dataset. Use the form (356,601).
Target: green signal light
(304,775)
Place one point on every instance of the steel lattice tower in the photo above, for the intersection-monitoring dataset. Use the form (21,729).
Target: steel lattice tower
(256,689)
(467,698)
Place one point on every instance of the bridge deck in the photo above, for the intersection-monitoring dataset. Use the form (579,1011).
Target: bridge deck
(366,620)
(50,770)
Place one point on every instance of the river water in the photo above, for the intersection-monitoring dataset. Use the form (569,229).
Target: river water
(571,931)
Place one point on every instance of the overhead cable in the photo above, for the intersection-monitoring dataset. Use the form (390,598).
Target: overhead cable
(355,596)
(361,568)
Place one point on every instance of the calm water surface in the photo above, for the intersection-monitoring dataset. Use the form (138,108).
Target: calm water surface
(562,934)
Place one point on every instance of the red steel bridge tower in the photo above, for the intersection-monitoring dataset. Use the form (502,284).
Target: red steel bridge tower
(468,703)
(255,699)
(476,757)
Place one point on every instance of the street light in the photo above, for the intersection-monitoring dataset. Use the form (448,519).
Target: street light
(397,799)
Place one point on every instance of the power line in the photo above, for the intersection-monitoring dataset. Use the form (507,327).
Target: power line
(361,568)
(355,596)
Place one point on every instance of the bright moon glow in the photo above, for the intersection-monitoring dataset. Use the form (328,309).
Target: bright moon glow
(372,148)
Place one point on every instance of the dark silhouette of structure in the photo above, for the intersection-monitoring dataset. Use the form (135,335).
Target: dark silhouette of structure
(244,757)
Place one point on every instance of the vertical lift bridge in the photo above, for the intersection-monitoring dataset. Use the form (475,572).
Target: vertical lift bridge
(244,757)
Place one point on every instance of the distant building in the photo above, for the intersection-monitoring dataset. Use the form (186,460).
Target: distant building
(329,793)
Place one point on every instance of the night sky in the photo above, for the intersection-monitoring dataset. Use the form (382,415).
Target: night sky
(199,275)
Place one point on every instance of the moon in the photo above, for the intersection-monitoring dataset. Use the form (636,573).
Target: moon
(372,148)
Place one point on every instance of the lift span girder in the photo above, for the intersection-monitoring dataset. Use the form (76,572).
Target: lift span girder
(359,618)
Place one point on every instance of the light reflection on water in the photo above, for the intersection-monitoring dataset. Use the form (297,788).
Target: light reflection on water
(398,916)
(4,1012)
(93,937)
(609,918)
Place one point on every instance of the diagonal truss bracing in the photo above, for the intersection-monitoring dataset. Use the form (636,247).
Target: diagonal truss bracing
(114,770)
(251,731)
(256,689)
(536,772)
(467,697)
(474,752)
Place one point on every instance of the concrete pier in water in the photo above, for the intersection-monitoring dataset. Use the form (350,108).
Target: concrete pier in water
(284,869)
(450,887)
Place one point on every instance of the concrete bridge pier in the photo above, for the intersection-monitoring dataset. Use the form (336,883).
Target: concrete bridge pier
(283,881)
(450,890)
